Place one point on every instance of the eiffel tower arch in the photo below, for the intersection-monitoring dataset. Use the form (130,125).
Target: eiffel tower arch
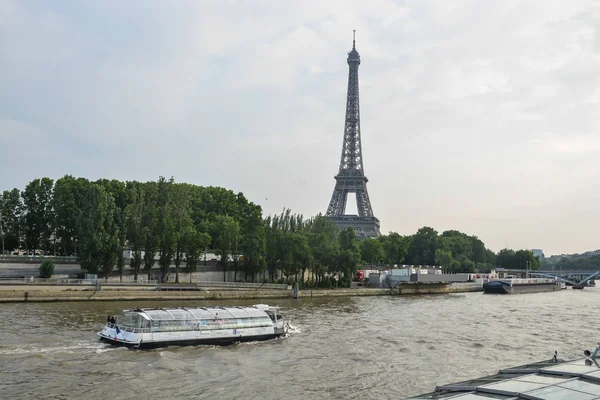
(351,176)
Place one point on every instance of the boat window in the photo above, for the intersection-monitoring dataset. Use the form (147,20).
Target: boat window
(237,323)
(211,324)
(254,312)
(239,312)
(210,318)
(128,319)
(159,315)
(201,313)
(181,314)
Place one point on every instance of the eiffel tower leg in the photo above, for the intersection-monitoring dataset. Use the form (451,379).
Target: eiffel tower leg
(337,205)
(363,204)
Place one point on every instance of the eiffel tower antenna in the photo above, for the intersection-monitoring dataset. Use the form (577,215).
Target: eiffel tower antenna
(351,177)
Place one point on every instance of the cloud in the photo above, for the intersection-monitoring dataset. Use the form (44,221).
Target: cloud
(18,130)
(475,116)
(576,145)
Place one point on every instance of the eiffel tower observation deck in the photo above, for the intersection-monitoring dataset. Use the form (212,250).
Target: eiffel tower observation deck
(351,176)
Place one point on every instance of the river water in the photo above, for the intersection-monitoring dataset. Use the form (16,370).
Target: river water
(345,348)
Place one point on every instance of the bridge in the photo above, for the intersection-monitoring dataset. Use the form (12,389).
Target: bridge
(586,278)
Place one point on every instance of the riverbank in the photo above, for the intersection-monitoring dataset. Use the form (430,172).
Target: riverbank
(50,293)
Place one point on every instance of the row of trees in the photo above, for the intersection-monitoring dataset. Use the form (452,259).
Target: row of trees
(296,246)
(586,261)
(97,220)
(454,250)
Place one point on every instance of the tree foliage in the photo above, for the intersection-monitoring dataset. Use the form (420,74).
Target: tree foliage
(225,232)
(194,244)
(175,223)
(98,240)
(520,259)
(372,251)
(46,269)
(586,261)
(11,218)
(38,218)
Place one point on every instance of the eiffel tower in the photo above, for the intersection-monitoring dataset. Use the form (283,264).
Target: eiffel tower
(351,176)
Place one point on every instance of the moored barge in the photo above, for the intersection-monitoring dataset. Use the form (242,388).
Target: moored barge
(545,380)
(518,285)
(180,326)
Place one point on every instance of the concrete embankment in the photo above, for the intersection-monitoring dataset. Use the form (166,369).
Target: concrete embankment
(47,293)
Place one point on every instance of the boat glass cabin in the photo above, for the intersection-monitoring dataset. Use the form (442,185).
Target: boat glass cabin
(194,324)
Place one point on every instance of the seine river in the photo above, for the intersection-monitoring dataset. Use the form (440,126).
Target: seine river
(345,348)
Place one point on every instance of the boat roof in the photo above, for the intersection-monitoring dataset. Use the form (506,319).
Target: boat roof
(201,313)
(548,380)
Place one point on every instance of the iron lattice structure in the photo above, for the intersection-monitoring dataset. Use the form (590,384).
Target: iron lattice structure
(351,176)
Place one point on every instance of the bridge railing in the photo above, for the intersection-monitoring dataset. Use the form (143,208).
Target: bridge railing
(61,281)
(242,285)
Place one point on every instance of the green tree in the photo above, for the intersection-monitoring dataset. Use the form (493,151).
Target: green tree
(372,251)
(166,220)
(272,234)
(467,266)
(96,237)
(46,269)
(120,263)
(324,242)
(458,243)
(506,259)
(349,255)
(121,194)
(490,257)
(253,242)
(150,226)
(225,234)
(395,247)
(525,259)
(423,247)
(134,225)
(479,251)
(300,257)
(194,244)
(454,267)
(11,211)
(110,250)
(444,258)
(67,201)
(37,198)
(182,222)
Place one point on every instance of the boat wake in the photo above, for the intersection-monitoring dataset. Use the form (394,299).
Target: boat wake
(291,329)
(94,346)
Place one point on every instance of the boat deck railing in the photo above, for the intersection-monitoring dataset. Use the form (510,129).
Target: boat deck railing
(124,328)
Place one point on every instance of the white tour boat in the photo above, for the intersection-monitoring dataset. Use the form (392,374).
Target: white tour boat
(180,326)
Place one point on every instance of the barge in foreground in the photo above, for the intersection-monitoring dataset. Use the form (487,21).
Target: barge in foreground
(518,285)
(552,380)
(179,326)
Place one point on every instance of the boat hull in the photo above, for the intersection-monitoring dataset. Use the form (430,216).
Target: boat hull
(502,288)
(219,341)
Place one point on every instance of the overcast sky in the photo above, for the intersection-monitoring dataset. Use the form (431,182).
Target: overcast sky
(480,116)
